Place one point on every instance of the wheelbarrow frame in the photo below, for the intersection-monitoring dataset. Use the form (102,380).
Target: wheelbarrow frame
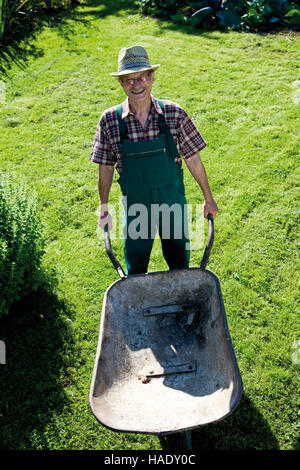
(122,275)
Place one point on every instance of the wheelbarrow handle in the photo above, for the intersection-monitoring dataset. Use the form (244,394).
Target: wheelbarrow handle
(204,261)
(210,241)
(112,257)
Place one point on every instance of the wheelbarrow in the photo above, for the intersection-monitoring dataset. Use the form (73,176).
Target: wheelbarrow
(165,361)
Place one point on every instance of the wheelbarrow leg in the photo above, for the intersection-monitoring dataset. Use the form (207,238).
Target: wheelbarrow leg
(179,441)
(188,436)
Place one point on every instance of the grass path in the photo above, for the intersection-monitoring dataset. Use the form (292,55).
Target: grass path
(242,91)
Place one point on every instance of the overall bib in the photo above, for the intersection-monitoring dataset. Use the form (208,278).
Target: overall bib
(153,198)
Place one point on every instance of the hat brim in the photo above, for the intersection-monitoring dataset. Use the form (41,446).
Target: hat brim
(137,69)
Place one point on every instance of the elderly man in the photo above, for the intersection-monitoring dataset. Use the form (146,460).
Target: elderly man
(145,139)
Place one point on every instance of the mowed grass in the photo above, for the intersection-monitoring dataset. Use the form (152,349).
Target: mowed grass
(242,91)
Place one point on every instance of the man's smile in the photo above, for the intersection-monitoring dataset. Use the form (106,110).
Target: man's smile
(138,91)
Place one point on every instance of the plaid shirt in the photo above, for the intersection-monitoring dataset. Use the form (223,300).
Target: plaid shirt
(106,147)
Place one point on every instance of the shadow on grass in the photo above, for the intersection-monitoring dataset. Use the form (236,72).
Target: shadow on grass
(244,429)
(39,346)
(20,45)
(103,8)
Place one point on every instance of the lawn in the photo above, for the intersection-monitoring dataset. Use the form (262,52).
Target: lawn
(243,93)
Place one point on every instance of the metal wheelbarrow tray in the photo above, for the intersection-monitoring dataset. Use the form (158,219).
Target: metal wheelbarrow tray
(165,362)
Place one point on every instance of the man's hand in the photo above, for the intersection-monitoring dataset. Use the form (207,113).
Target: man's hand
(104,217)
(210,207)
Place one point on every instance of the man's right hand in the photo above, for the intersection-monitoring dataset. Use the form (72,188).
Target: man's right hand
(104,217)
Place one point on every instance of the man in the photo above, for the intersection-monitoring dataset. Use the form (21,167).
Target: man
(145,138)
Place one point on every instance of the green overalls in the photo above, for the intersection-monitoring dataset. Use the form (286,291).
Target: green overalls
(153,197)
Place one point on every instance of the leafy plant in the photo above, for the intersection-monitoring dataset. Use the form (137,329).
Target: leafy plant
(264,13)
(292,16)
(21,242)
(1,19)
(17,15)
(227,14)
(8,8)
(161,8)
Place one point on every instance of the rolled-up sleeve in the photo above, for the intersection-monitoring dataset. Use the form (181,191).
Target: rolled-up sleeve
(190,139)
(102,149)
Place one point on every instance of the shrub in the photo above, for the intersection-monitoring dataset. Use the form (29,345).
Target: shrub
(16,16)
(21,242)
(247,15)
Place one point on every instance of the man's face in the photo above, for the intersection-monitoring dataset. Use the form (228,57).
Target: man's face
(137,85)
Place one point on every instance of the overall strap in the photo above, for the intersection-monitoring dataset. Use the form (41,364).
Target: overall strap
(164,129)
(122,124)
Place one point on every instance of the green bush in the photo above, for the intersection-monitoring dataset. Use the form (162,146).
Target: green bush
(21,242)
(246,15)
(17,16)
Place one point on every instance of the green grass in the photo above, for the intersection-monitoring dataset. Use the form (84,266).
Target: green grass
(242,91)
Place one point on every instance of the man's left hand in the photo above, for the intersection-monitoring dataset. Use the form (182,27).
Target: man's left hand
(210,207)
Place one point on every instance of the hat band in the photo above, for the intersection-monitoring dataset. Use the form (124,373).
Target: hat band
(134,65)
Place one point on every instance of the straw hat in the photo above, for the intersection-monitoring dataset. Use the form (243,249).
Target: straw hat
(133,59)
